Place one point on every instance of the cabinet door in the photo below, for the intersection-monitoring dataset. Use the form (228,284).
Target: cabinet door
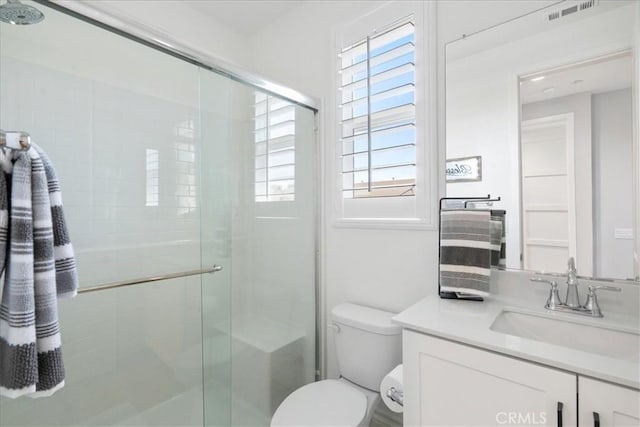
(615,406)
(450,384)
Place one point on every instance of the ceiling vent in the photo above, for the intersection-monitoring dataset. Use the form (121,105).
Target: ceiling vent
(578,7)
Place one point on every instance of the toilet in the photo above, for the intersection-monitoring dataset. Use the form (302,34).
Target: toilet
(368,346)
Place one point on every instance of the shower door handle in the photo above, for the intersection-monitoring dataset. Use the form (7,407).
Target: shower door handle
(216,268)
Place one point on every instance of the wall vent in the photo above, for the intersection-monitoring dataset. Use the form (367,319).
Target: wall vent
(587,4)
(554,15)
(579,7)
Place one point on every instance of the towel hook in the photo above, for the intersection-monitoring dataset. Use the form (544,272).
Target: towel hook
(15,140)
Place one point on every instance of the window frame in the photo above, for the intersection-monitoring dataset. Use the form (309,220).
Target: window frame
(392,212)
(389,111)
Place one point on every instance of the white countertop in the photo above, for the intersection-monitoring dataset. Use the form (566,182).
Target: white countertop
(469,322)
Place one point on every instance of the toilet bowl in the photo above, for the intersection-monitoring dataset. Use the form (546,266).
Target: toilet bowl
(368,346)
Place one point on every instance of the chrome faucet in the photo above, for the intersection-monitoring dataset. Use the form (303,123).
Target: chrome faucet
(572,300)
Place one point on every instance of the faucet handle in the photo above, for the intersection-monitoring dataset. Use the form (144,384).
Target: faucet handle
(594,288)
(553,283)
(553,301)
(591,304)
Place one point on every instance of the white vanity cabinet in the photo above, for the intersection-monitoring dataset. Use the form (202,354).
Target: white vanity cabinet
(615,406)
(449,384)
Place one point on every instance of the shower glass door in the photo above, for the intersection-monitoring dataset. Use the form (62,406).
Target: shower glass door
(122,124)
(273,308)
(271,263)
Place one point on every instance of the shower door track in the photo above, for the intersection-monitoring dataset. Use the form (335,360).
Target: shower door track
(150,279)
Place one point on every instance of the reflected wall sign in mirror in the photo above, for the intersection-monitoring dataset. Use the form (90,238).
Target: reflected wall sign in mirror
(550,102)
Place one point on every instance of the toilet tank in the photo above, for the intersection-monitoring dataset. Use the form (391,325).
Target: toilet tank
(368,345)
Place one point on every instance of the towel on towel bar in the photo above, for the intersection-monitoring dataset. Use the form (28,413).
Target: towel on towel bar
(498,238)
(465,251)
(30,346)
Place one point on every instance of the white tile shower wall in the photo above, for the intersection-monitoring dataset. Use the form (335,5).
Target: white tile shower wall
(97,117)
(98,147)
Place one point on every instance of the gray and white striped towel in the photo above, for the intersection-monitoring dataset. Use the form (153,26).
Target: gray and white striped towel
(30,346)
(465,251)
(498,238)
(66,272)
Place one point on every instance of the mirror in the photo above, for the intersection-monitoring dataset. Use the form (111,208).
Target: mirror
(540,113)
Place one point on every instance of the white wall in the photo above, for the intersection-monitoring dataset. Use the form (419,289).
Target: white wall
(636,148)
(613,182)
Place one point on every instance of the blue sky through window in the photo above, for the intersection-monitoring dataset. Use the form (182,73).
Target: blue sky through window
(393,134)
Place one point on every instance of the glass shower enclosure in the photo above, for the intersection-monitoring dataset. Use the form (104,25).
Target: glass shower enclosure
(168,168)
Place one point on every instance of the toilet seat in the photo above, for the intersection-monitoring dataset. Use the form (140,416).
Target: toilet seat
(323,403)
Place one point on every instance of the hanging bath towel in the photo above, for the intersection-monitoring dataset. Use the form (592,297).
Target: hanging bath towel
(5,166)
(497,238)
(66,272)
(465,251)
(498,226)
(30,347)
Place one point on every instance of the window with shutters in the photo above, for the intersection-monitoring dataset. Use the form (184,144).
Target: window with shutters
(274,143)
(385,153)
(378,114)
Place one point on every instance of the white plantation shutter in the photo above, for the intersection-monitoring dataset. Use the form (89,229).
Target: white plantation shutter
(378,114)
(274,139)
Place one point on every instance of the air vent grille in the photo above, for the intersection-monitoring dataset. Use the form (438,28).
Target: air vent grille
(572,9)
(587,4)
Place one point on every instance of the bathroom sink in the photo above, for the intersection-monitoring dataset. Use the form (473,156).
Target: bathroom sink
(619,344)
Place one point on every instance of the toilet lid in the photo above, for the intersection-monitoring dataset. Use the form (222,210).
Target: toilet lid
(324,403)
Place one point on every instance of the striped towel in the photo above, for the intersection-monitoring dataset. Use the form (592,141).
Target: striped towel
(465,251)
(5,164)
(30,347)
(66,272)
(498,238)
